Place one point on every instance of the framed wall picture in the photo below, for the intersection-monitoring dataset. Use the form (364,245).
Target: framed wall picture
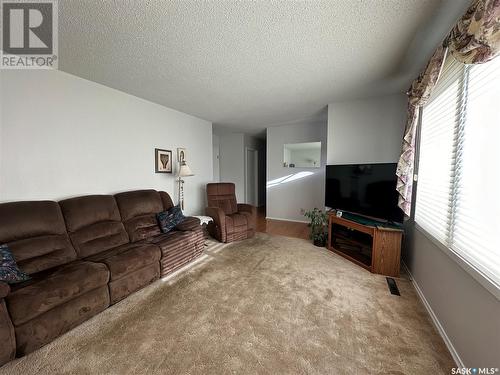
(181,155)
(163,161)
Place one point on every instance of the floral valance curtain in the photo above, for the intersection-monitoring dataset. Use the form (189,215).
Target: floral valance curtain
(475,39)
(418,95)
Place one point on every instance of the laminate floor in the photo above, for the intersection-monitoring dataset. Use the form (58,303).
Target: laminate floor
(281,227)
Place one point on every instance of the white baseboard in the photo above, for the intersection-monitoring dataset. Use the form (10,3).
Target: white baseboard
(435,320)
(281,219)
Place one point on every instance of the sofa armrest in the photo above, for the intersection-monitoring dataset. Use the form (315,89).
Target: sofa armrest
(217,215)
(7,335)
(252,210)
(217,229)
(188,224)
(4,289)
(243,207)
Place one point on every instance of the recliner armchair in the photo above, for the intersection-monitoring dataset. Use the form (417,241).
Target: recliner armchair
(231,221)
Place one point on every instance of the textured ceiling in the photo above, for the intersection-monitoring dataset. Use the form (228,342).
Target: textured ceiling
(243,64)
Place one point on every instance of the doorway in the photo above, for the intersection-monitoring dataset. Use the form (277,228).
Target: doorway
(216,157)
(251,176)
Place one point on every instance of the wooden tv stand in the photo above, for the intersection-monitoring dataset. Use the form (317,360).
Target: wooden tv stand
(375,248)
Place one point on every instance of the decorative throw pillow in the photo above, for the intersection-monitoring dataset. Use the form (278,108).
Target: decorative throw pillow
(9,271)
(170,218)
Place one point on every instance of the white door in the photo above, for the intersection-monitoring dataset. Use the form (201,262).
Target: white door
(251,176)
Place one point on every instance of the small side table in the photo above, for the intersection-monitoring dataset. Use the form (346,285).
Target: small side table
(204,220)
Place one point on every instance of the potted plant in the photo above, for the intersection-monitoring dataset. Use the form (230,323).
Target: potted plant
(319,221)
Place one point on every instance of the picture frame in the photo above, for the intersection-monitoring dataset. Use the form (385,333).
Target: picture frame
(181,154)
(163,161)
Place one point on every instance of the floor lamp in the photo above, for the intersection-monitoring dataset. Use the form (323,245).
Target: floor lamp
(184,171)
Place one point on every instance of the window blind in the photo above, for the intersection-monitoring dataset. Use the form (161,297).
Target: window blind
(457,198)
(475,232)
(438,139)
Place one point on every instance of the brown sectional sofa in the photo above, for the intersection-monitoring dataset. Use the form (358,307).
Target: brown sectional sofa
(139,209)
(8,346)
(63,291)
(98,235)
(83,254)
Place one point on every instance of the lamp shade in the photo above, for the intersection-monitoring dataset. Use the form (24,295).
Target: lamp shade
(184,170)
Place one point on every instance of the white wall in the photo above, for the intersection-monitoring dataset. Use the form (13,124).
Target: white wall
(232,162)
(468,313)
(366,131)
(64,136)
(286,198)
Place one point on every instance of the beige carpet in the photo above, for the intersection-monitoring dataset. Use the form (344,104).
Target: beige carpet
(269,305)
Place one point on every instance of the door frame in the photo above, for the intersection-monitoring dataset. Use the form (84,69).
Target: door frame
(217,158)
(256,162)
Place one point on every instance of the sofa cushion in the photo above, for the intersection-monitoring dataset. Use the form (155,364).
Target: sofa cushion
(142,227)
(121,288)
(94,223)
(166,200)
(98,237)
(36,235)
(168,220)
(80,212)
(138,210)
(127,258)
(189,223)
(165,239)
(53,288)
(9,271)
(46,327)
(223,196)
(138,203)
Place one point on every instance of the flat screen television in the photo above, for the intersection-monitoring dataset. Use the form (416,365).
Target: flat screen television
(367,189)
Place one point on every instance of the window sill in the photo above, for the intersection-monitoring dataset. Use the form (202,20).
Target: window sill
(472,270)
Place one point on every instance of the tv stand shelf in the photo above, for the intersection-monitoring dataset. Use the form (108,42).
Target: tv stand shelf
(374,247)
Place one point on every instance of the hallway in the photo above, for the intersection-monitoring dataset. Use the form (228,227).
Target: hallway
(280,227)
